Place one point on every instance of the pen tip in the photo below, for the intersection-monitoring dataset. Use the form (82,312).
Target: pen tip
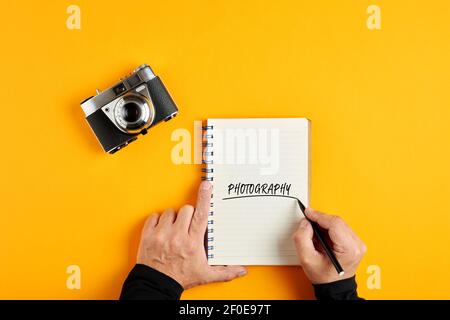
(302,207)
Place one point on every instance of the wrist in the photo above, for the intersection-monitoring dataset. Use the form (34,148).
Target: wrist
(164,271)
(332,278)
(167,279)
(144,282)
(344,289)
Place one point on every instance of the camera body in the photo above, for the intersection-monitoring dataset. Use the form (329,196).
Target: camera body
(129,108)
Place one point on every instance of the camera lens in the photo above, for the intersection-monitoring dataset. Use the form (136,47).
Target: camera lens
(131,112)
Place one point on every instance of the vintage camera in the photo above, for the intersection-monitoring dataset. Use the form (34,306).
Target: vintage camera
(129,108)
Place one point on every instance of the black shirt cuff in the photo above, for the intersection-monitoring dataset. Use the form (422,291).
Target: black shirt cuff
(145,283)
(337,290)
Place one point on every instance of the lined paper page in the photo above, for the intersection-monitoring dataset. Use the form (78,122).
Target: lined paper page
(252,224)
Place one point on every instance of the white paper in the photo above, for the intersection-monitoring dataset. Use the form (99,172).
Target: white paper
(257,230)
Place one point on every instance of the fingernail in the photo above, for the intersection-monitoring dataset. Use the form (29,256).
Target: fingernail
(206,185)
(303,223)
(242,273)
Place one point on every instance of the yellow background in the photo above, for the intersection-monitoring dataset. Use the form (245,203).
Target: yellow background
(379,103)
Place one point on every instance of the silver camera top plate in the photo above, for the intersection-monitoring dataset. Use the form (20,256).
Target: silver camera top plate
(138,77)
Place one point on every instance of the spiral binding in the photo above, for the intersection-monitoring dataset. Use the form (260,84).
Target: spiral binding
(208,175)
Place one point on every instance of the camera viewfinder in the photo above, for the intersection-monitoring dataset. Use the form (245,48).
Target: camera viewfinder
(119,89)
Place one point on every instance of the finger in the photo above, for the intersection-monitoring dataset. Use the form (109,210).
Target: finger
(324,220)
(338,231)
(226,273)
(184,217)
(200,217)
(149,225)
(151,222)
(167,218)
(362,248)
(303,238)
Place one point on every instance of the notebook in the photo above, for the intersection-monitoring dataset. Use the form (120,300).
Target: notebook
(257,167)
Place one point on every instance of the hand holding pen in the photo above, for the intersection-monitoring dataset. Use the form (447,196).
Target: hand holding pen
(344,245)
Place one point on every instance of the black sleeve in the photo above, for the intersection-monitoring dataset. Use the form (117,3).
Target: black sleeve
(145,283)
(338,290)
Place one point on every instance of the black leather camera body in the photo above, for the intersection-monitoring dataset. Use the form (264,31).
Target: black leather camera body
(129,108)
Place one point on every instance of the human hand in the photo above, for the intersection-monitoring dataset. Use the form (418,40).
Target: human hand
(174,244)
(346,245)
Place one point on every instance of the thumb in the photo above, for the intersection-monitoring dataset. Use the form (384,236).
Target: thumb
(303,238)
(226,273)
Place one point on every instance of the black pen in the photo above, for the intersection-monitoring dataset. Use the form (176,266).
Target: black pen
(322,241)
